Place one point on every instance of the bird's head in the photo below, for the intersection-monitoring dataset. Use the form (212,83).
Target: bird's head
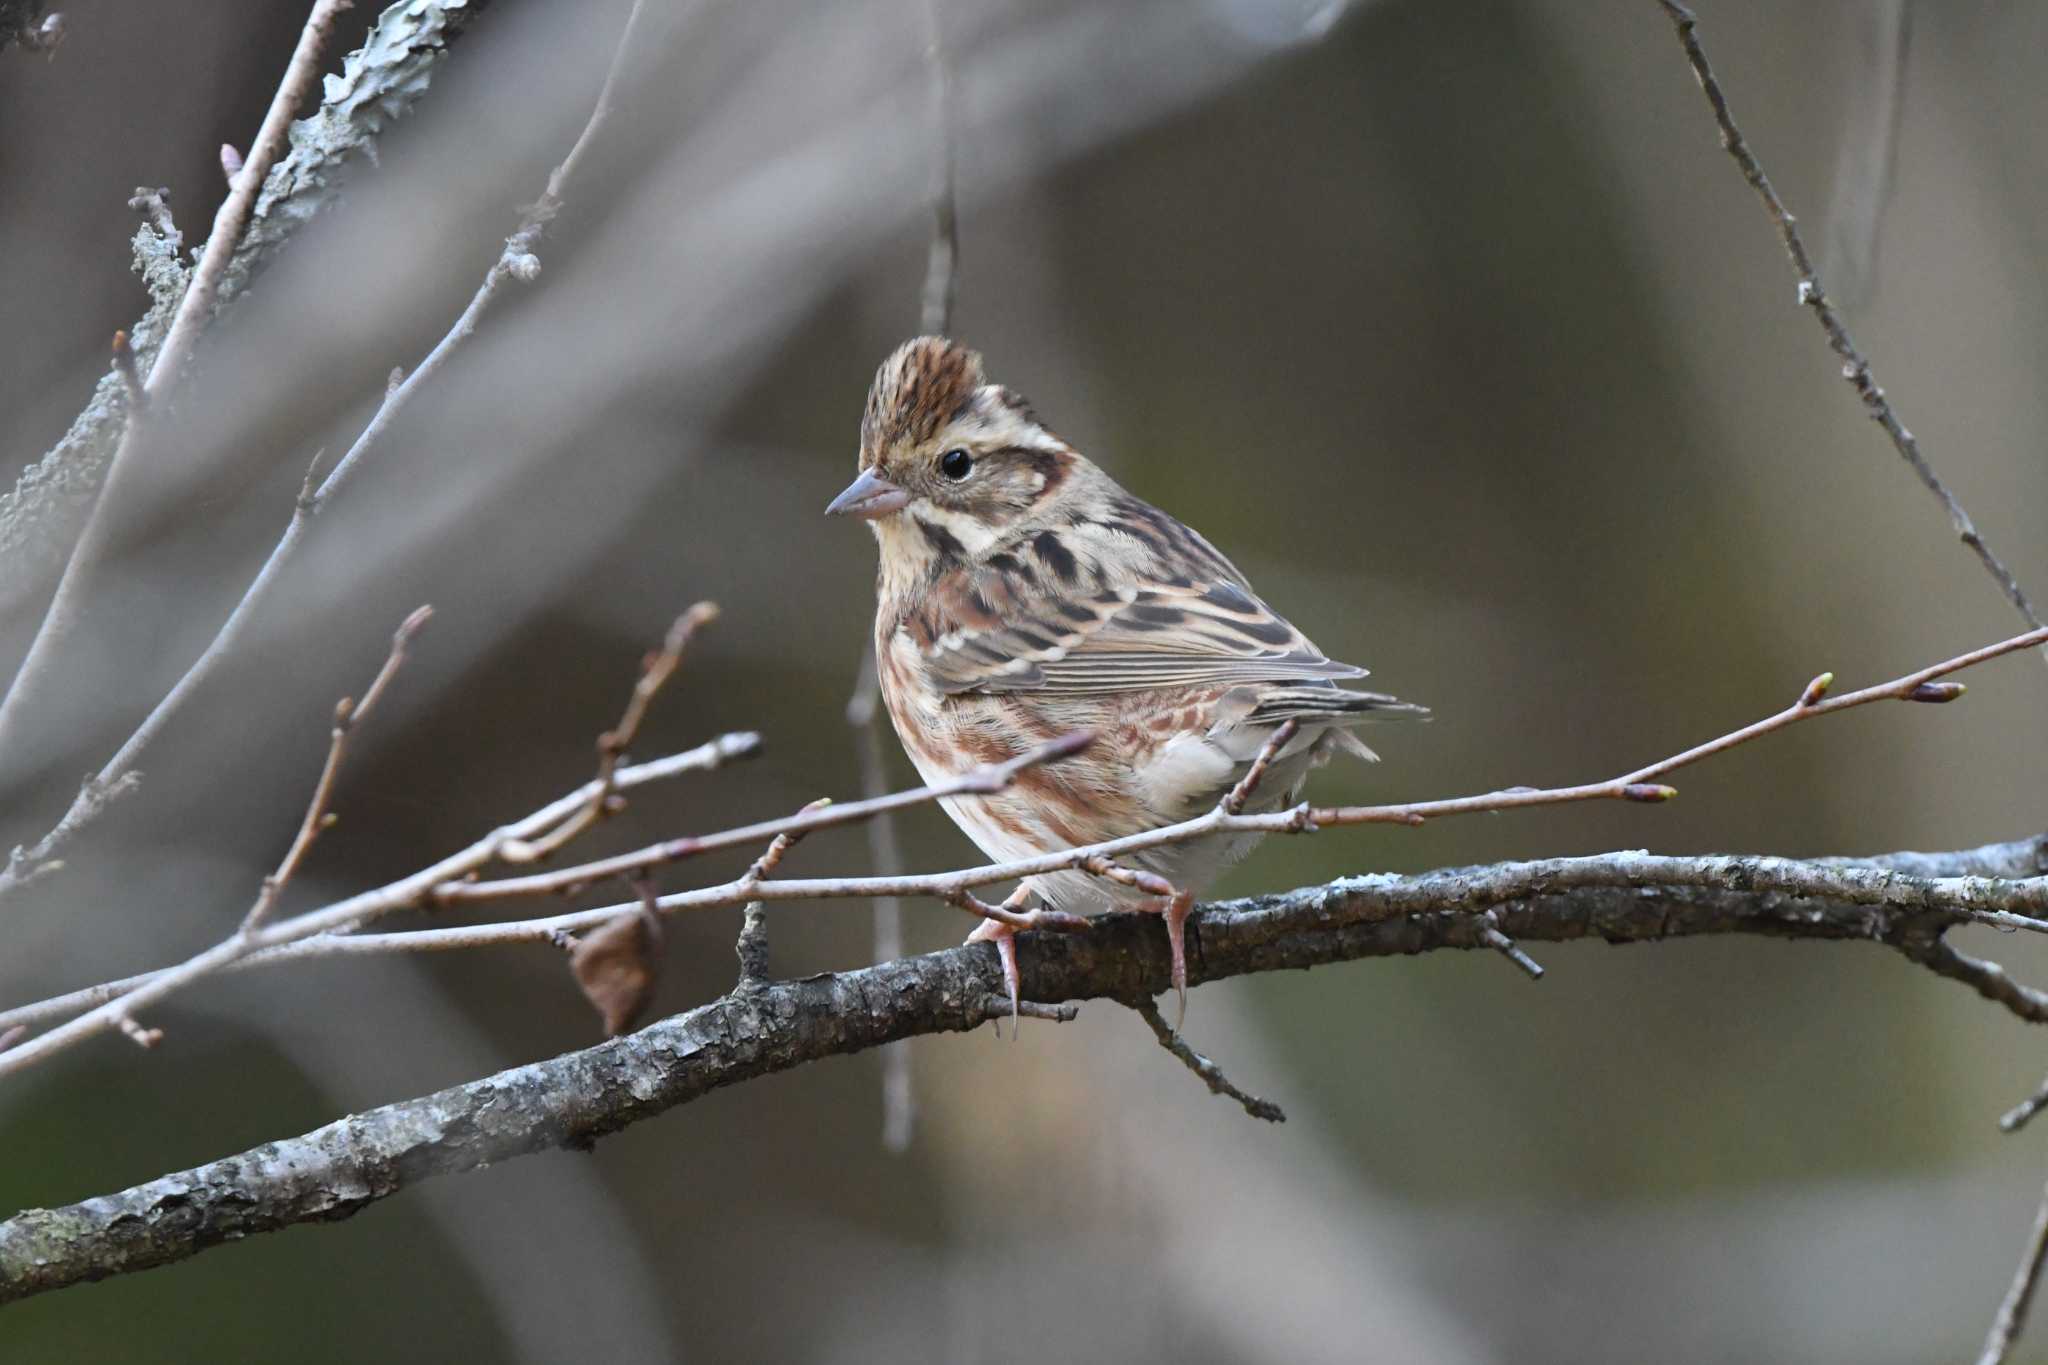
(950,464)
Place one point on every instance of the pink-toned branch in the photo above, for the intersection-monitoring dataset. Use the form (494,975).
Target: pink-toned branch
(330,930)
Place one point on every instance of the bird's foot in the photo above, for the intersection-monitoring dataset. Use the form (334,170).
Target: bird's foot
(1175,909)
(1170,903)
(1002,929)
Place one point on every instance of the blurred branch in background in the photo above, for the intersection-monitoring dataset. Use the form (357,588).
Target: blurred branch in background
(90,549)
(1868,159)
(378,84)
(23,21)
(1855,369)
(1890,56)
(516,261)
(576,1098)
(2012,1310)
(864,709)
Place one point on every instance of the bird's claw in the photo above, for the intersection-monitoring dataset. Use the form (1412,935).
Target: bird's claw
(1005,938)
(1175,912)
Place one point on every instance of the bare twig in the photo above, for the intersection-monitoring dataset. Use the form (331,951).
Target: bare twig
(982,781)
(106,1003)
(942,260)
(1868,154)
(885,854)
(779,848)
(752,947)
(1211,1074)
(509,264)
(2021,1114)
(2012,1310)
(2012,905)
(347,714)
(1639,785)
(1064,1013)
(121,1012)
(1234,799)
(194,311)
(655,671)
(1493,938)
(300,76)
(576,1098)
(1988,979)
(379,83)
(1855,369)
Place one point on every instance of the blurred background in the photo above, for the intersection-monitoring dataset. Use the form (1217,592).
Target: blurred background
(1452,324)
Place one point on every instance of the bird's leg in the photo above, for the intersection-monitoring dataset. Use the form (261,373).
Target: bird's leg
(1170,903)
(1003,934)
(1175,912)
(1000,925)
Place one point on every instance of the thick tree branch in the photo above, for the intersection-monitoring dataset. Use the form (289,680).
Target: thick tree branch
(576,1098)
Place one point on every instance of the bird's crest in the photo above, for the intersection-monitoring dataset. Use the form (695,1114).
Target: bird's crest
(926,383)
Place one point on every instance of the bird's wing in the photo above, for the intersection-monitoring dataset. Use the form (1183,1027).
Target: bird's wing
(1110,607)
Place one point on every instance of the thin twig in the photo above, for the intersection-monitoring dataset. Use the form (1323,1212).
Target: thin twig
(1639,785)
(1868,155)
(1211,1074)
(885,854)
(347,715)
(195,309)
(942,268)
(1493,938)
(2012,1310)
(1988,979)
(1855,369)
(2008,904)
(106,1003)
(981,781)
(317,817)
(516,261)
(752,947)
(1791,889)
(655,671)
(863,711)
(2021,1114)
(380,83)
(704,758)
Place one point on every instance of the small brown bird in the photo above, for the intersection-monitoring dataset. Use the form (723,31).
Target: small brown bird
(1023,595)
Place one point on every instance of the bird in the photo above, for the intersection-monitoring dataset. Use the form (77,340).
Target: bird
(1023,594)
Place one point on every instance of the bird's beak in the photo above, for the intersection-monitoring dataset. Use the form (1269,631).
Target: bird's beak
(868,497)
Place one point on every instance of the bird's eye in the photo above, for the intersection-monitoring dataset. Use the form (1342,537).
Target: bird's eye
(956,464)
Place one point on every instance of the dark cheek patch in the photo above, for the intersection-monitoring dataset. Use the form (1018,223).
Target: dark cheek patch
(942,541)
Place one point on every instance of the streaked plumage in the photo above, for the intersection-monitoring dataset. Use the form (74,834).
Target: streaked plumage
(1023,594)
